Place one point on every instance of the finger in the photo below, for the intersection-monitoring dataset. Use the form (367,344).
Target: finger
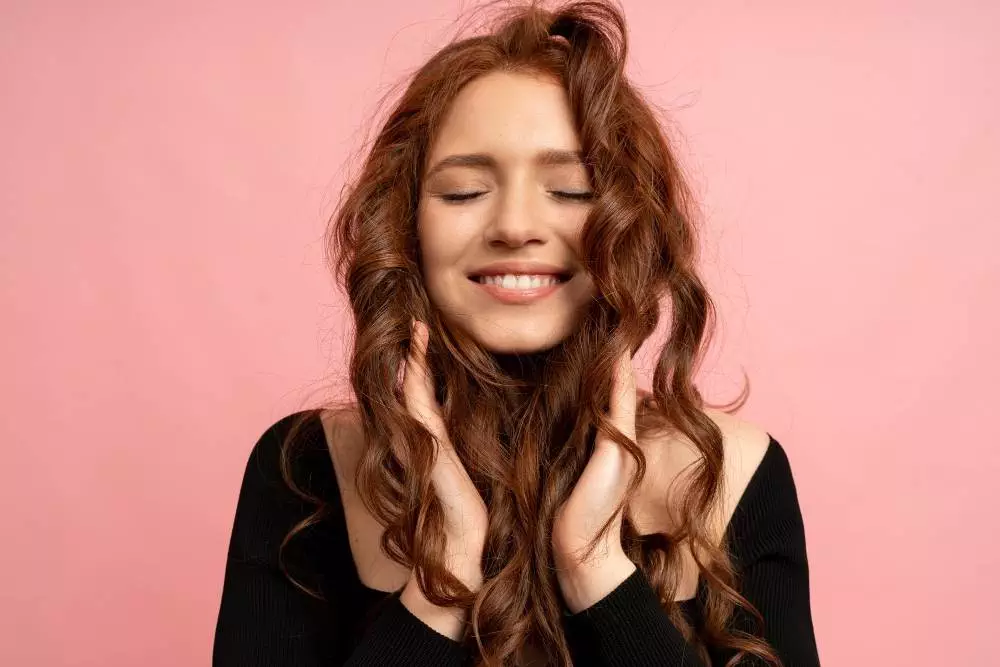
(622,411)
(448,472)
(418,387)
(611,467)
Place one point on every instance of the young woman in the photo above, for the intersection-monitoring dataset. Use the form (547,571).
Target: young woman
(501,492)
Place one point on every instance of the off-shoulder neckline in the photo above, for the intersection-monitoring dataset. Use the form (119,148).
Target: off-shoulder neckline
(771,451)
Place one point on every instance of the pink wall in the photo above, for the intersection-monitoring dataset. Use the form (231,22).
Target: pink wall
(166,171)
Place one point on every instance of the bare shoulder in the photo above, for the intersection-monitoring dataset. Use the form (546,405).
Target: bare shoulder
(744,444)
(345,440)
(670,458)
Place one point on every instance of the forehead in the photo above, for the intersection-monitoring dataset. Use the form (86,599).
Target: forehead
(512,116)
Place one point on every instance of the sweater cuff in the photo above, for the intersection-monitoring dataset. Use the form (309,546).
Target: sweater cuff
(410,641)
(627,624)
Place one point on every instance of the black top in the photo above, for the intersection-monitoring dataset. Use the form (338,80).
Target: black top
(264,619)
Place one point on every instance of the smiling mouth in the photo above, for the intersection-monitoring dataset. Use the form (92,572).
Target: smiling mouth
(520,291)
(521,282)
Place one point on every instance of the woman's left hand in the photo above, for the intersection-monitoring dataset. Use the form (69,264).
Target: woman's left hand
(597,493)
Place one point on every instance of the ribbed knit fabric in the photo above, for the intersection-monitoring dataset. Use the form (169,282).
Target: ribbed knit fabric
(264,619)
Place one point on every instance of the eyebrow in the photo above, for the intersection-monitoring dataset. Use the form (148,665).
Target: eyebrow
(546,158)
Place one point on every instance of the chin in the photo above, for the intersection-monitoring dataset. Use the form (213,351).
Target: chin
(519,337)
(519,346)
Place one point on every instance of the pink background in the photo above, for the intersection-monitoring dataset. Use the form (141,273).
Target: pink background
(167,168)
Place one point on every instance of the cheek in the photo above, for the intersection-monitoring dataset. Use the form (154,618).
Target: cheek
(446,235)
(586,289)
(435,247)
(442,252)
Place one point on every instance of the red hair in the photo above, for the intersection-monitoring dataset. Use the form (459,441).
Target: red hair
(525,430)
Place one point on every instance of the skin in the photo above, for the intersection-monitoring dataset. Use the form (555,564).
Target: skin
(600,488)
(516,215)
(518,212)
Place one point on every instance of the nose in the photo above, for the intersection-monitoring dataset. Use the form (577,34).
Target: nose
(514,222)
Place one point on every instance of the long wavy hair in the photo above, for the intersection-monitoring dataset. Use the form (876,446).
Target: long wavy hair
(525,425)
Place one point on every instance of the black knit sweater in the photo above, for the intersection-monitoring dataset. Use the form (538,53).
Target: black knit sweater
(264,619)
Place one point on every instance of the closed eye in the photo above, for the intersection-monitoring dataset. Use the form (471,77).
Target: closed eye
(575,196)
(468,196)
(458,198)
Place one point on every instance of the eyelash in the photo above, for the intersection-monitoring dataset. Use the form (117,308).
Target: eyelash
(468,196)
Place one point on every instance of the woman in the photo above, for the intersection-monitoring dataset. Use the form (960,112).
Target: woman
(502,493)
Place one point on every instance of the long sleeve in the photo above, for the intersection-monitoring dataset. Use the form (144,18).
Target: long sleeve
(264,619)
(628,627)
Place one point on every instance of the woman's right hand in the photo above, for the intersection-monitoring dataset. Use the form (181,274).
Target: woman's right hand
(465,513)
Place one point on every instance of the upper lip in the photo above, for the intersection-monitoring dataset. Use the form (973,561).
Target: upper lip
(523,267)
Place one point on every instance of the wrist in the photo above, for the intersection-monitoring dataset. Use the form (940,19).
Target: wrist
(448,621)
(582,586)
(468,571)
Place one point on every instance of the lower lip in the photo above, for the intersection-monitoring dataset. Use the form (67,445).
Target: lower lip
(518,296)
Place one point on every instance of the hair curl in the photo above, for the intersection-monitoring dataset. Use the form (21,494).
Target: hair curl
(639,244)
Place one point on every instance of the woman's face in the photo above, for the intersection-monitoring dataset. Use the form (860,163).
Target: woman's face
(504,195)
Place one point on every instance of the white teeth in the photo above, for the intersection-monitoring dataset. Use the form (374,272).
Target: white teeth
(521,282)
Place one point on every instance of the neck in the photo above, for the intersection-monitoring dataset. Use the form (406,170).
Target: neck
(523,366)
